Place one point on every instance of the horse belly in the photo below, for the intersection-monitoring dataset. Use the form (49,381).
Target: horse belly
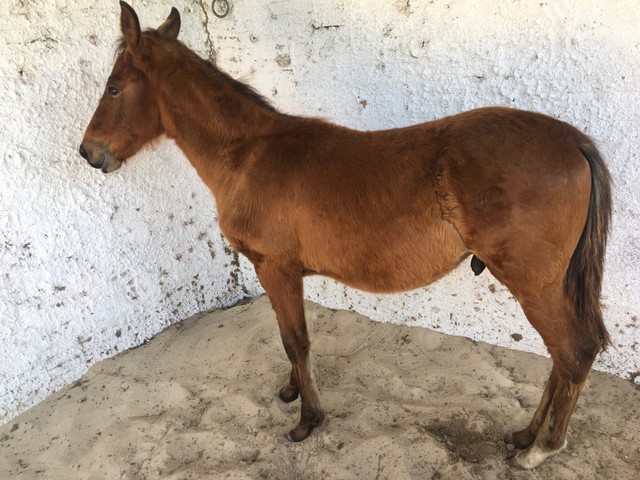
(400,257)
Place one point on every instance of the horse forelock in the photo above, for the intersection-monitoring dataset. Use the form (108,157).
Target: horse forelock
(120,47)
(121,43)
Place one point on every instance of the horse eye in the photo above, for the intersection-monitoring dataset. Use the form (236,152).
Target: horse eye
(113,91)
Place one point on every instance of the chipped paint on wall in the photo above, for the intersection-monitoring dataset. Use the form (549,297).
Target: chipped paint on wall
(92,265)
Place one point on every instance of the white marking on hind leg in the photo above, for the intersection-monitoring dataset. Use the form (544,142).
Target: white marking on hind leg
(534,456)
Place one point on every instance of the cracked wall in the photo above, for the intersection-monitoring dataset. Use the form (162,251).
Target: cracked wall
(92,265)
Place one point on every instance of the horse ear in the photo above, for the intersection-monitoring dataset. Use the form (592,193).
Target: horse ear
(130,25)
(171,26)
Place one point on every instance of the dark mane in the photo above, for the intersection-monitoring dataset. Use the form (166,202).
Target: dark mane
(223,77)
(239,87)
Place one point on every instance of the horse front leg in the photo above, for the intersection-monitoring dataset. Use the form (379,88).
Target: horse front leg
(284,287)
(290,392)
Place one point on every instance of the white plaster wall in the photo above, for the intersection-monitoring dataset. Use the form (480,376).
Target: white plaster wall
(92,264)
(381,64)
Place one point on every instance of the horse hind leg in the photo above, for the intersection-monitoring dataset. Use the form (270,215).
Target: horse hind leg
(551,436)
(525,437)
(573,353)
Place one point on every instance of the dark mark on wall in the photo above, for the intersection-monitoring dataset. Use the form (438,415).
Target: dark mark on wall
(208,40)
(212,250)
(404,7)
(325,27)
(47,40)
(283,60)
(516,336)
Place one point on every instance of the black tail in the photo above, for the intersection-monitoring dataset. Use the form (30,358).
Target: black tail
(583,280)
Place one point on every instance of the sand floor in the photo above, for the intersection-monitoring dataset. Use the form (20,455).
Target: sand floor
(199,401)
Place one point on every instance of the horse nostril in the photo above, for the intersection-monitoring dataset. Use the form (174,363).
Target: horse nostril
(83,153)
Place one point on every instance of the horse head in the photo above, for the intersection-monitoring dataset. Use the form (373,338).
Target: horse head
(128,117)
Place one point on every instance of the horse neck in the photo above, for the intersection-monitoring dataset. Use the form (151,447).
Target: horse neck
(208,114)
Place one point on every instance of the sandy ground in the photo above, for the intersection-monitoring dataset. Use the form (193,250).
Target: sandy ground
(199,402)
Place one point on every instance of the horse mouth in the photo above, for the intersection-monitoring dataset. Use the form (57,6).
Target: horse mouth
(107,163)
(103,160)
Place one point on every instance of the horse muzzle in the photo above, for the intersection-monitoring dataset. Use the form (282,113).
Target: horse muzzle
(99,156)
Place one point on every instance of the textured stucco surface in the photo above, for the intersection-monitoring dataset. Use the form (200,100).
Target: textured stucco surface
(396,63)
(92,264)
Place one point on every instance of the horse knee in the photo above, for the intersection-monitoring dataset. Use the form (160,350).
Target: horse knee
(296,346)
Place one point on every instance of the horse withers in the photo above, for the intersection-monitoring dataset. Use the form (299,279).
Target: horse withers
(383,211)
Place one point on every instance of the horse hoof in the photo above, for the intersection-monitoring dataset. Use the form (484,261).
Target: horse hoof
(532,457)
(289,393)
(299,433)
(527,460)
(305,427)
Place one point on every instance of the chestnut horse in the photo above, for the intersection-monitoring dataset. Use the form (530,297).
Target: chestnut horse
(386,211)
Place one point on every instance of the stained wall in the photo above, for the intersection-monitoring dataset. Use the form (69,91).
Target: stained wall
(91,265)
